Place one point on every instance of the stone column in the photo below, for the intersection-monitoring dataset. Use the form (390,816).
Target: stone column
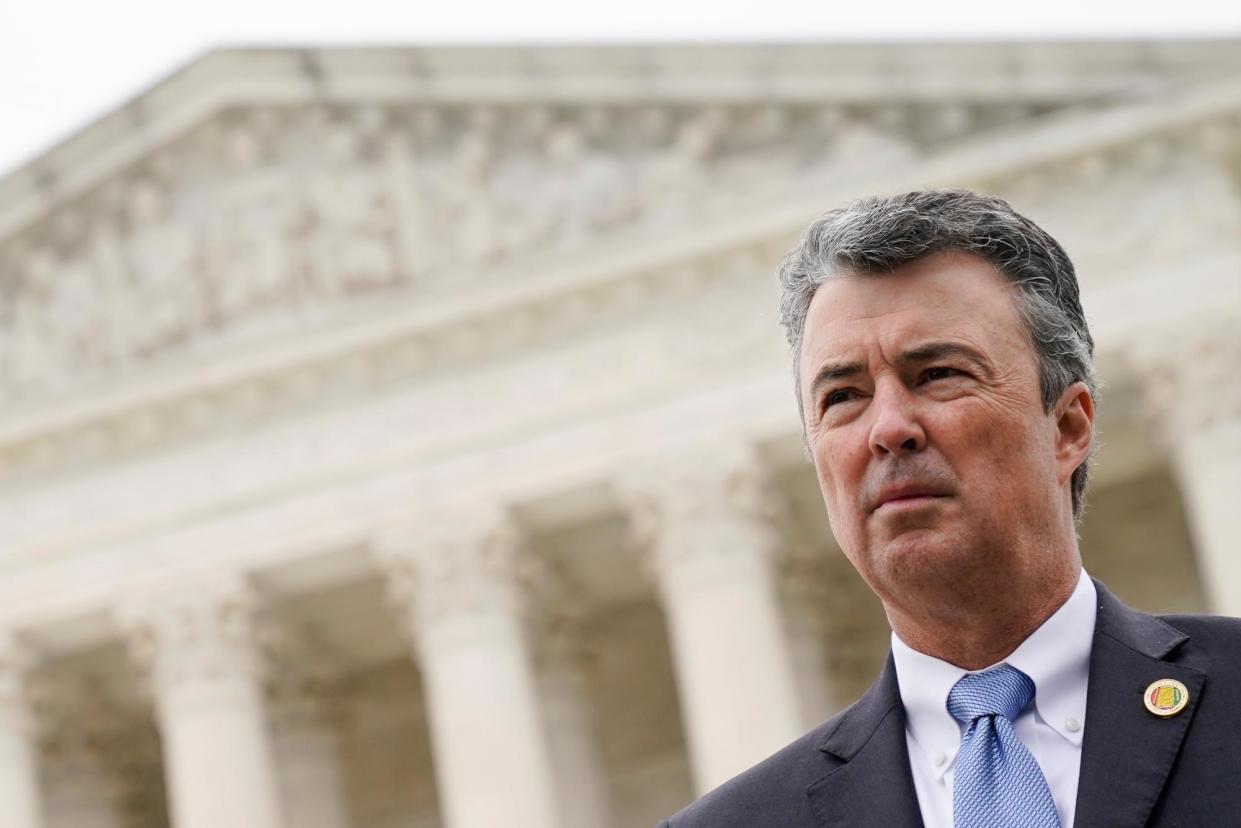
(92,753)
(306,716)
(82,790)
(706,521)
(807,603)
(197,639)
(1196,403)
(20,805)
(562,661)
(456,580)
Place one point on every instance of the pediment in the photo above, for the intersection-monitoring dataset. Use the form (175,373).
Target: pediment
(260,195)
(256,193)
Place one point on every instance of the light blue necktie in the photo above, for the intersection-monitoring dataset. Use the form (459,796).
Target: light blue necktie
(997,780)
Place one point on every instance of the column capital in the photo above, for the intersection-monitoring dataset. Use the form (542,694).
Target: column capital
(16,662)
(701,483)
(455,563)
(558,639)
(95,754)
(197,637)
(707,502)
(301,694)
(1191,395)
(191,632)
(77,723)
(1190,386)
(804,577)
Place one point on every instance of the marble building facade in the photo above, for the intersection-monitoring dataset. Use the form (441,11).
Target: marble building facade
(404,437)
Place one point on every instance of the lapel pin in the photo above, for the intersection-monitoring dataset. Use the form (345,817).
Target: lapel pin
(1166,697)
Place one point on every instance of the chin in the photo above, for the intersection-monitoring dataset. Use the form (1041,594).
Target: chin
(922,558)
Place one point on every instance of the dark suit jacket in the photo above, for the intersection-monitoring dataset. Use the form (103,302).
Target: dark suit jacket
(1137,769)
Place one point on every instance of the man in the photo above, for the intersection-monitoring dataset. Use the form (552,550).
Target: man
(943,370)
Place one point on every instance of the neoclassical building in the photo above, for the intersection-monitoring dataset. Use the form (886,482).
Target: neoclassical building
(404,437)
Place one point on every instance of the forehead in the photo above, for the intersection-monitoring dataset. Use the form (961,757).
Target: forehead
(949,295)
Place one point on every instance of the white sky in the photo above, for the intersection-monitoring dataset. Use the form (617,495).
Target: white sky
(65,62)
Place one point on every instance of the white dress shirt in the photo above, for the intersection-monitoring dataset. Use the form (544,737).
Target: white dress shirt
(1056,657)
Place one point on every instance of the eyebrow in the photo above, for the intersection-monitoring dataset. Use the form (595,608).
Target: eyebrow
(938,350)
(927,352)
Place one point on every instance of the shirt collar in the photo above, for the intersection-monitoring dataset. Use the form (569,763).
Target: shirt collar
(1056,657)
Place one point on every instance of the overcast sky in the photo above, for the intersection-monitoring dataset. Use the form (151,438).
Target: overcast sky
(65,62)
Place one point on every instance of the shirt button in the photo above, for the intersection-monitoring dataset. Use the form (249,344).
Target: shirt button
(1072,725)
(939,759)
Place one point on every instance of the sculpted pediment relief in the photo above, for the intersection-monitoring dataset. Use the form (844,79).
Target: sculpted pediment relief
(267,219)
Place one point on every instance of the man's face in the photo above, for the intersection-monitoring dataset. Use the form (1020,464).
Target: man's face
(937,463)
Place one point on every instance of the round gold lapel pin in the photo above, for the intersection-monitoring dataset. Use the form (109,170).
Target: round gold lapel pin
(1166,697)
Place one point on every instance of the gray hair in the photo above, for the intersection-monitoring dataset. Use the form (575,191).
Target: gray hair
(881,233)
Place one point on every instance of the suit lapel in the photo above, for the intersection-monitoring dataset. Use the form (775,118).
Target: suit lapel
(873,785)
(1127,752)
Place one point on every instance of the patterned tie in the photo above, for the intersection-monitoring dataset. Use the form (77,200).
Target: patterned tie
(998,782)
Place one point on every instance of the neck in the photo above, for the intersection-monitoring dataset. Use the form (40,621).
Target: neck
(974,629)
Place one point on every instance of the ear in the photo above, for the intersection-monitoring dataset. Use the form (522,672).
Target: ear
(1074,428)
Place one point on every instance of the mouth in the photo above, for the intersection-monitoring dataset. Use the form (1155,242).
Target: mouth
(908,498)
(908,502)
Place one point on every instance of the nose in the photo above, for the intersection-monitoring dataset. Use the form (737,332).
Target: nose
(896,427)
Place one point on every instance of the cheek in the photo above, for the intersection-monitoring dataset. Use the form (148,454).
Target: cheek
(998,452)
(839,477)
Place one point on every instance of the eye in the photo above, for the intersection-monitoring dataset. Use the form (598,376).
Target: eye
(838,396)
(939,372)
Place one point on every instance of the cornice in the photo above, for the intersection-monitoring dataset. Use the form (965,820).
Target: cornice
(1029,73)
